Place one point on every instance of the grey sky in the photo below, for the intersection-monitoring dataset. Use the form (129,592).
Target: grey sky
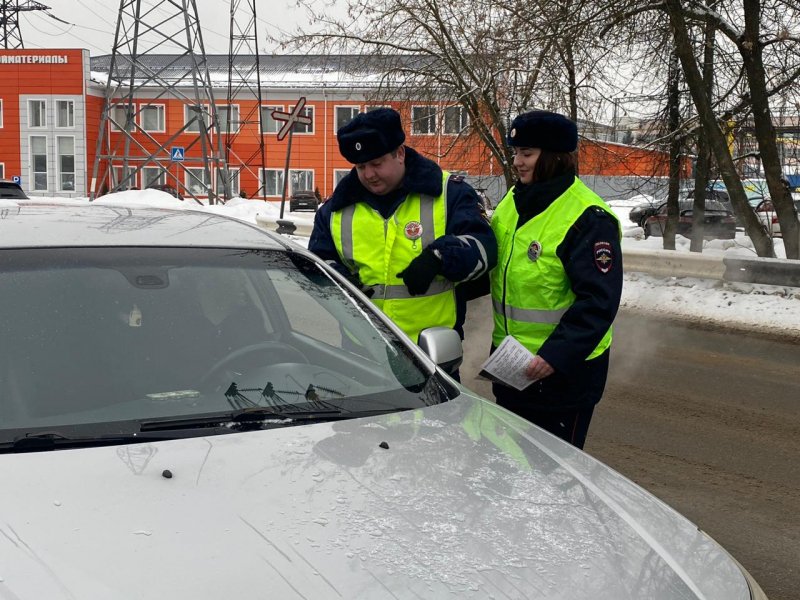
(93,22)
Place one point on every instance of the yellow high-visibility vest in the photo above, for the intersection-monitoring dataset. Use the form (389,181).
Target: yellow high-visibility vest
(377,249)
(530,288)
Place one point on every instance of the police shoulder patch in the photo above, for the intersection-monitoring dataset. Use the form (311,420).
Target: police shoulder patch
(599,211)
(603,256)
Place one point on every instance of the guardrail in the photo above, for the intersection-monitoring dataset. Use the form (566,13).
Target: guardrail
(667,263)
(273,224)
(772,271)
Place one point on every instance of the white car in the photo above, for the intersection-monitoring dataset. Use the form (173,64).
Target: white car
(191,407)
(765,212)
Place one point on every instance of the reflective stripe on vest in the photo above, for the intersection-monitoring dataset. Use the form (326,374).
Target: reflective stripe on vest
(527,315)
(530,289)
(376,249)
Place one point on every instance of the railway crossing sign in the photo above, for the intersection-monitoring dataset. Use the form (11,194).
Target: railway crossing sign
(291,118)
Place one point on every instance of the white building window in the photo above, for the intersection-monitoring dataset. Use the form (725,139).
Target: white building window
(152,118)
(39,162)
(120,178)
(456,120)
(118,116)
(270,125)
(338,175)
(300,180)
(272,180)
(65,147)
(191,117)
(65,113)
(37,113)
(423,120)
(1,113)
(233,182)
(307,111)
(343,115)
(2,171)
(197,181)
(153,176)
(228,118)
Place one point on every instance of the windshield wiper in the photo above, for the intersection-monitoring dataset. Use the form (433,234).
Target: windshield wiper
(49,440)
(258,416)
(272,399)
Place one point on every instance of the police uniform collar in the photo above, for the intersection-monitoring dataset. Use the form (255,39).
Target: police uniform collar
(533,198)
(423,176)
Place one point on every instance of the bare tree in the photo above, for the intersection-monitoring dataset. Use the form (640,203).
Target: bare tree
(455,53)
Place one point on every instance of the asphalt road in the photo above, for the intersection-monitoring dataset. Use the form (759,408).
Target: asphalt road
(708,421)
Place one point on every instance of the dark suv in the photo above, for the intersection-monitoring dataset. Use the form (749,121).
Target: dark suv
(11,189)
(304,199)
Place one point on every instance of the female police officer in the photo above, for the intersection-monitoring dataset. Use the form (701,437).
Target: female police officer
(558,280)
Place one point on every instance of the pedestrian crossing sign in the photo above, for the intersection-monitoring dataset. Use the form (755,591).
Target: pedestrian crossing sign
(177,154)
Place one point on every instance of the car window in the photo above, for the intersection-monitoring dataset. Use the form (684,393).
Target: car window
(93,336)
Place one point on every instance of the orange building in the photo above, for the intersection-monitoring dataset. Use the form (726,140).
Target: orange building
(47,107)
(51,104)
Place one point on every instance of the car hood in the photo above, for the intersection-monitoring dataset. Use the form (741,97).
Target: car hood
(459,500)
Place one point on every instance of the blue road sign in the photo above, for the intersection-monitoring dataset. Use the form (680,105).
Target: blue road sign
(177,154)
(16,179)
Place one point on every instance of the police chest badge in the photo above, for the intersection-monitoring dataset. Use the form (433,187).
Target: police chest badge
(603,256)
(413,231)
(534,251)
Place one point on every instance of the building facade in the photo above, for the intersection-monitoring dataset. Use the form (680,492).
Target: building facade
(47,107)
(51,106)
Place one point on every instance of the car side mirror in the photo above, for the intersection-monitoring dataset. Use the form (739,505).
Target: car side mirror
(443,345)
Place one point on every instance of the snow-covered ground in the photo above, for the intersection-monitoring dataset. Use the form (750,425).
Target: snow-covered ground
(762,307)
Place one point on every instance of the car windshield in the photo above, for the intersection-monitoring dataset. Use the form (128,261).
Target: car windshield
(98,336)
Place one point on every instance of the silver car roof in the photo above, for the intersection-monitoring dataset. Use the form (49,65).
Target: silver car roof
(32,224)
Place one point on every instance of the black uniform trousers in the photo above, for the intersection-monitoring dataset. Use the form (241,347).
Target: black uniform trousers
(561,403)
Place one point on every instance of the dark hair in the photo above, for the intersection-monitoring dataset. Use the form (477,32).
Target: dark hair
(552,164)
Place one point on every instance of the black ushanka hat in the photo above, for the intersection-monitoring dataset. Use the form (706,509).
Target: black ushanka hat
(371,135)
(545,130)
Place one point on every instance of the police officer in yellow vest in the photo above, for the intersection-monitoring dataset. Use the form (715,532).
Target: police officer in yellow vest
(558,281)
(409,234)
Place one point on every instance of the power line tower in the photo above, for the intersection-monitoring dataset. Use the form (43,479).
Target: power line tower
(9,20)
(134,142)
(244,81)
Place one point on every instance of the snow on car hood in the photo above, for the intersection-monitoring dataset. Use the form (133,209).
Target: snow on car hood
(467,501)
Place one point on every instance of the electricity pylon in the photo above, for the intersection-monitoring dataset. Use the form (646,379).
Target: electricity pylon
(244,82)
(158,63)
(9,20)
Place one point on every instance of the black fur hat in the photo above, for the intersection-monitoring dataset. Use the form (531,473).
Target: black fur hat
(370,135)
(543,129)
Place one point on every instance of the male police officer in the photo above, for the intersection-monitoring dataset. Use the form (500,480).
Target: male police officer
(404,230)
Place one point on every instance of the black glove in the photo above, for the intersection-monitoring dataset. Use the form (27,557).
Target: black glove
(420,272)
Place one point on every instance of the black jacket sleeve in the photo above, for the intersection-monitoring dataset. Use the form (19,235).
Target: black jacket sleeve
(468,249)
(321,240)
(592,257)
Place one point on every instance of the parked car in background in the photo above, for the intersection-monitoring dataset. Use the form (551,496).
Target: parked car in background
(305,199)
(718,221)
(11,190)
(192,398)
(765,211)
(171,190)
(644,209)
